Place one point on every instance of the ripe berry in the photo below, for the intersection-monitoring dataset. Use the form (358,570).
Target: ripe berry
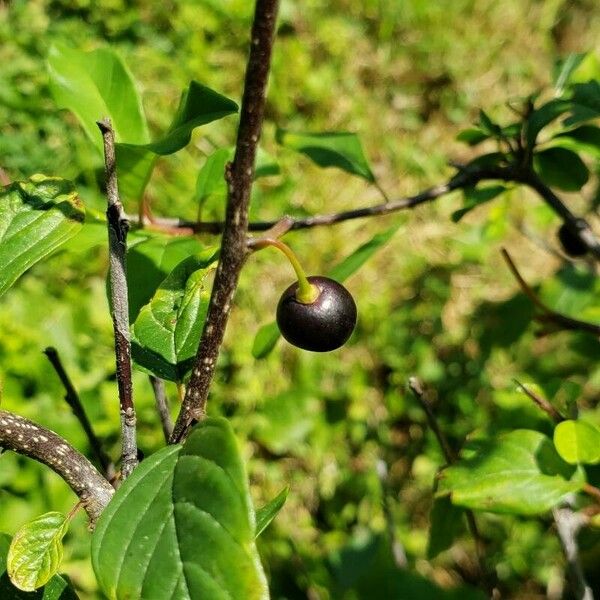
(570,243)
(321,325)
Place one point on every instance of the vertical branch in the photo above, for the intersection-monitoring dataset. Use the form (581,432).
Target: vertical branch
(117,244)
(73,400)
(162,406)
(239,176)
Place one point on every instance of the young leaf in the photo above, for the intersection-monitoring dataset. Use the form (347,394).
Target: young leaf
(148,263)
(543,116)
(182,526)
(269,511)
(516,473)
(268,335)
(577,442)
(342,150)
(475,197)
(56,589)
(561,168)
(97,84)
(167,330)
(36,551)
(36,217)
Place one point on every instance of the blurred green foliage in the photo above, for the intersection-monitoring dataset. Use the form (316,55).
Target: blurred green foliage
(436,302)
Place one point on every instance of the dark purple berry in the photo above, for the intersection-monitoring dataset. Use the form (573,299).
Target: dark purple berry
(570,243)
(322,325)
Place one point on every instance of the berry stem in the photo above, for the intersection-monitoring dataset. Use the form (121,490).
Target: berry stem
(307,292)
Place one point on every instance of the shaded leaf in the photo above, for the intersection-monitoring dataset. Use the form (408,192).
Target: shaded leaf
(446,523)
(269,511)
(561,168)
(585,138)
(56,589)
(265,340)
(586,102)
(149,261)
(36,551)
(36,217)
(488,126)
(342,150)
(472,136)
(516,473)
(167,330)
(543,116)
(577,442)
(182,525)
(474,197)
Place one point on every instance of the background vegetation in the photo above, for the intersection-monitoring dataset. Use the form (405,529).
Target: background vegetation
(437,302)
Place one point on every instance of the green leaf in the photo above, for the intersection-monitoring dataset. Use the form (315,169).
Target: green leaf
(472,136)
(265,340)
(516,473)
(561,168)
(564,69)
(474,197)
(167,330)
(269,511)
(36,217)
(585,138)
(446,524)
(149,261)
(577,442)
(268,335)
(56,589)
(488,126)
(586,102)
(342,150)
(543,116)
(97,84)
(36,551)
(182,525)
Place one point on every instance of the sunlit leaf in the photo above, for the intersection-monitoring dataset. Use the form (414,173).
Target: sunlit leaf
(475,197)
(182,525)
(577,442)
(342,150)
(36,217)
(269,511)
(585,138)
(517,473)
(472,136)
(36,551)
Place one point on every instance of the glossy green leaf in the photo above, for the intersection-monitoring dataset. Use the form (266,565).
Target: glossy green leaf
(585,138)
(446,523)
(341,150)
(182,526)
(543,116)
(517,473)
(56,589)
(36,217)
(266,514)
(149,261)
(36,551)
(97,84)
(474,197)
(472,136)
(561,168)
(268,335)
(167,330)
(577,442)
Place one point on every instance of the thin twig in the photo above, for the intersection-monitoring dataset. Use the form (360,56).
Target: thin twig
(239,176)
(416,387)
(549,315)
(541,402)
(568,524)
(30,439)
(162,406)
(73,400)
(117,244)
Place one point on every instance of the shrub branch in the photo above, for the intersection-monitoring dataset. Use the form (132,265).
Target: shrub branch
(30,439)
(117,244)
(239,176)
